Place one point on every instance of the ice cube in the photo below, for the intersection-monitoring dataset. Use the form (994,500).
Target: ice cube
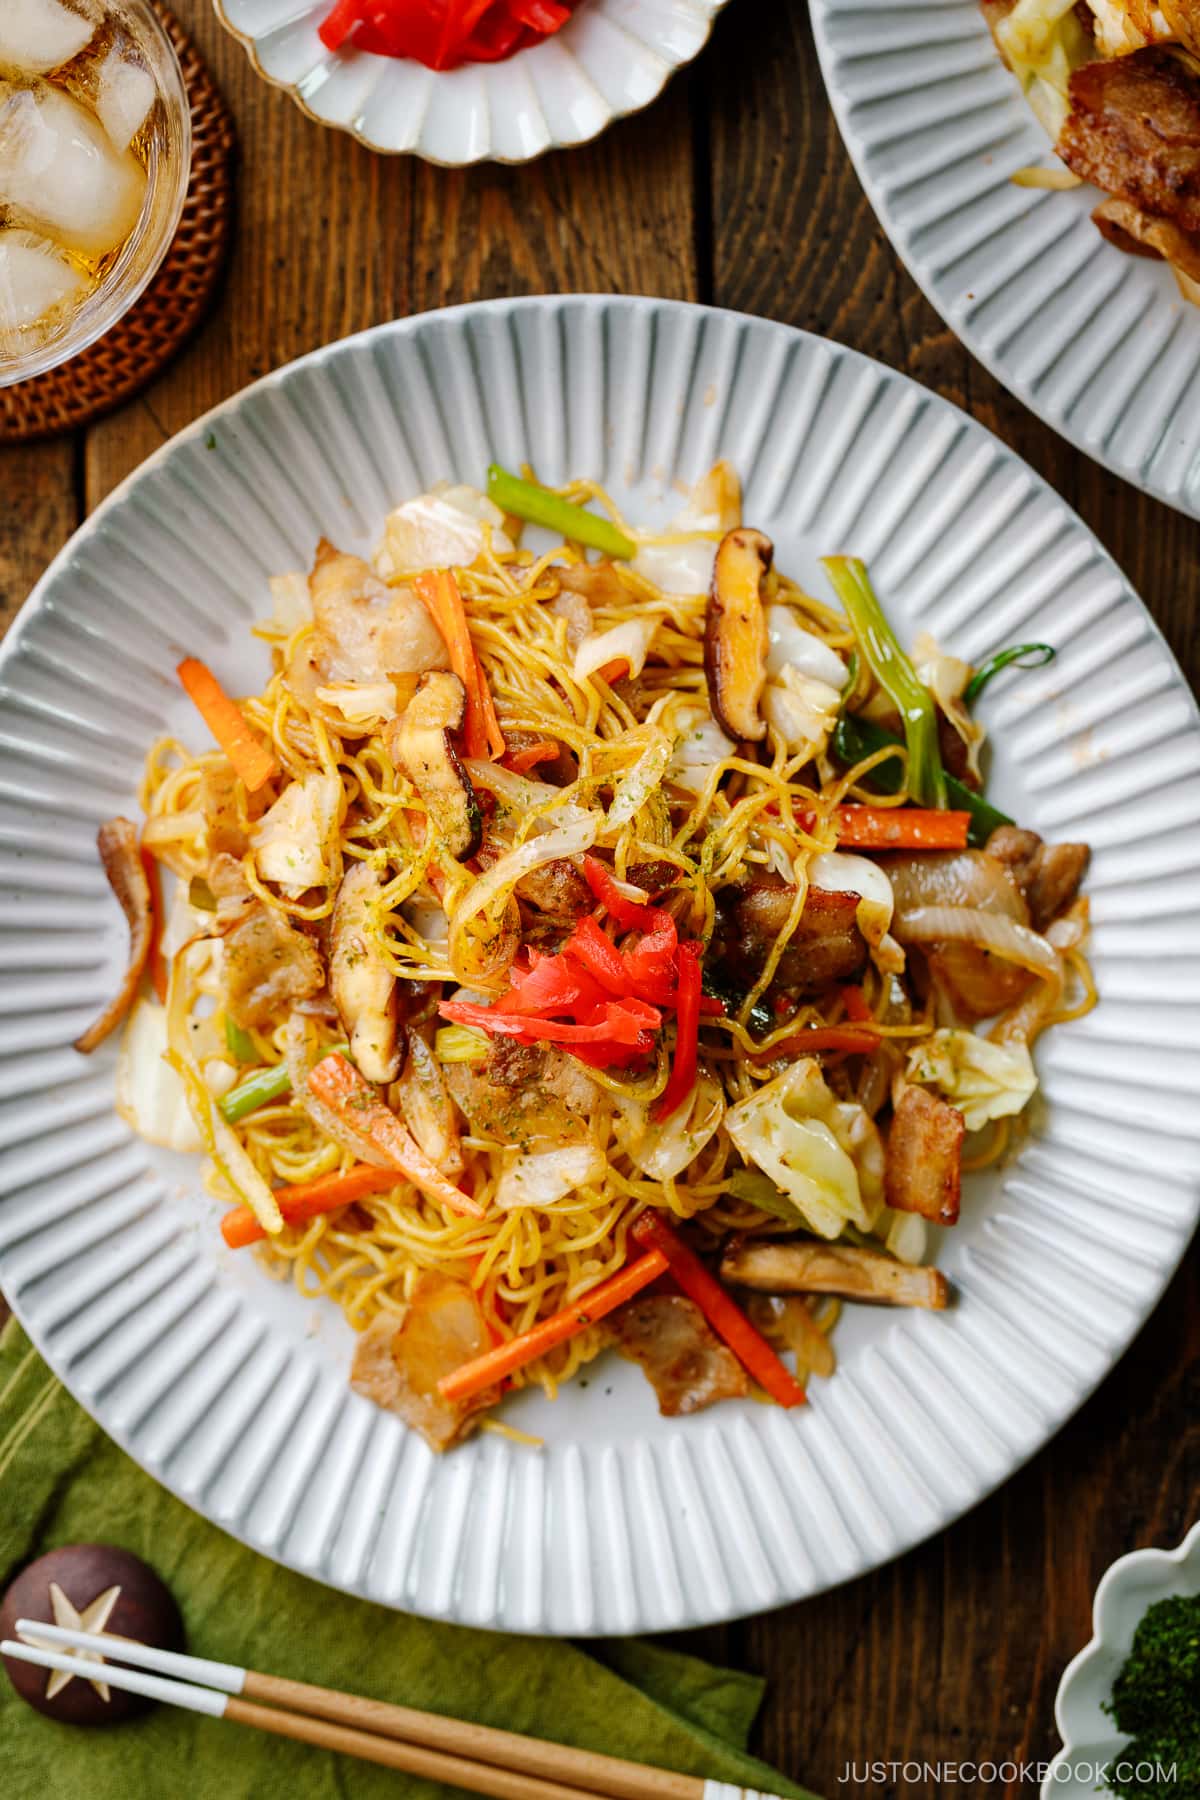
(59,170)
(35,279)
(39,35)
(124,96)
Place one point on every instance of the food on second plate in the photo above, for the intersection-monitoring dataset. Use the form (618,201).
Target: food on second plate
(443,33)
(570,950)
(1117,85)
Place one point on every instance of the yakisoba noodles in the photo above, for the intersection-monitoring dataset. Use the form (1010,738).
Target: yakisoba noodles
(575,950)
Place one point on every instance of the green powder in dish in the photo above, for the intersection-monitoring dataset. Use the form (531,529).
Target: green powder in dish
(1156,1698)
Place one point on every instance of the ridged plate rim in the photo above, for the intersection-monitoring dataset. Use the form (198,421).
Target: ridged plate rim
(1148,288)
(636,1533)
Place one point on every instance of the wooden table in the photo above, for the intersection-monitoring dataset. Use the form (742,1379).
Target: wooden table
(734,188)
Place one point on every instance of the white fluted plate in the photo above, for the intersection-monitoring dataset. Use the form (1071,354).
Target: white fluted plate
(613,57)
(231,1389)
(1100,345)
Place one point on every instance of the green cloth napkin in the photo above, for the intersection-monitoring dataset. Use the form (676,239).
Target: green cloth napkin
(62,1481)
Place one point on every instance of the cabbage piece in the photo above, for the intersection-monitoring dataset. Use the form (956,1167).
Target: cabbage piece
(361,702)
(699,747)
(1043,42)
(151,1097)
(229,1159)
(292,839)
(1118,32)
(663,1150)
(714,506)
(184,923)
(443,529)
(461,1044)
(542,1178)
(840,872)
(635,787)
(825,1154)
(905,1234)
(791,644)
(984,1080)
(628,643)
(802,709)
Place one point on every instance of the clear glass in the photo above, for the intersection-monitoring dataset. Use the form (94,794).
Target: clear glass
(163,144)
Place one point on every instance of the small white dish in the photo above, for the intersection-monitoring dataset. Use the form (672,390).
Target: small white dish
(1126,1592)
(612,58)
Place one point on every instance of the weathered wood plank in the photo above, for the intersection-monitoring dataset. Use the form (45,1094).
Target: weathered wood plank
(38,513)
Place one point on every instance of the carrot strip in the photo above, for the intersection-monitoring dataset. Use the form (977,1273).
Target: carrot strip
(481,728)
(342,1088)
(723,1314)
(856,1004)
(483,1371)
(250,757)
(521,761)
(159,973)
(901,828)
(306,1200)
(495,737)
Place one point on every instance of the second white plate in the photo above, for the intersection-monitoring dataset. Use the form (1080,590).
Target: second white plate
(611,58)
(228,1386)
(1100,345)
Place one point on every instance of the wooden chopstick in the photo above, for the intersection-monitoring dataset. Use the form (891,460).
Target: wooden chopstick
(529,1757)
(479,1758)
(409,1759)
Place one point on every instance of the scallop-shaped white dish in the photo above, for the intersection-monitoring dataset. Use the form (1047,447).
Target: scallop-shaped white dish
(1100,345)
(612,58)
(1091,1741)
(231,1388)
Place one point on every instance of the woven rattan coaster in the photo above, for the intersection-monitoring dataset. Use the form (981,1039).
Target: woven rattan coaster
(140,345)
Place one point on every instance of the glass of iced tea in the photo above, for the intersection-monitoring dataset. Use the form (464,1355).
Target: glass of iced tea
(95,141)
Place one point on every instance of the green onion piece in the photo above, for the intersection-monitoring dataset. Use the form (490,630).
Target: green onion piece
(895,675)
(759,1190)
(855,738)
(526,500)
(851,681)
(459,1044)
(1021,656)
(200,895)
(266,1084)
(239,1043)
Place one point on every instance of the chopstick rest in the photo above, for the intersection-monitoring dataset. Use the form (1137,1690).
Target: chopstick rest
(476,1758)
